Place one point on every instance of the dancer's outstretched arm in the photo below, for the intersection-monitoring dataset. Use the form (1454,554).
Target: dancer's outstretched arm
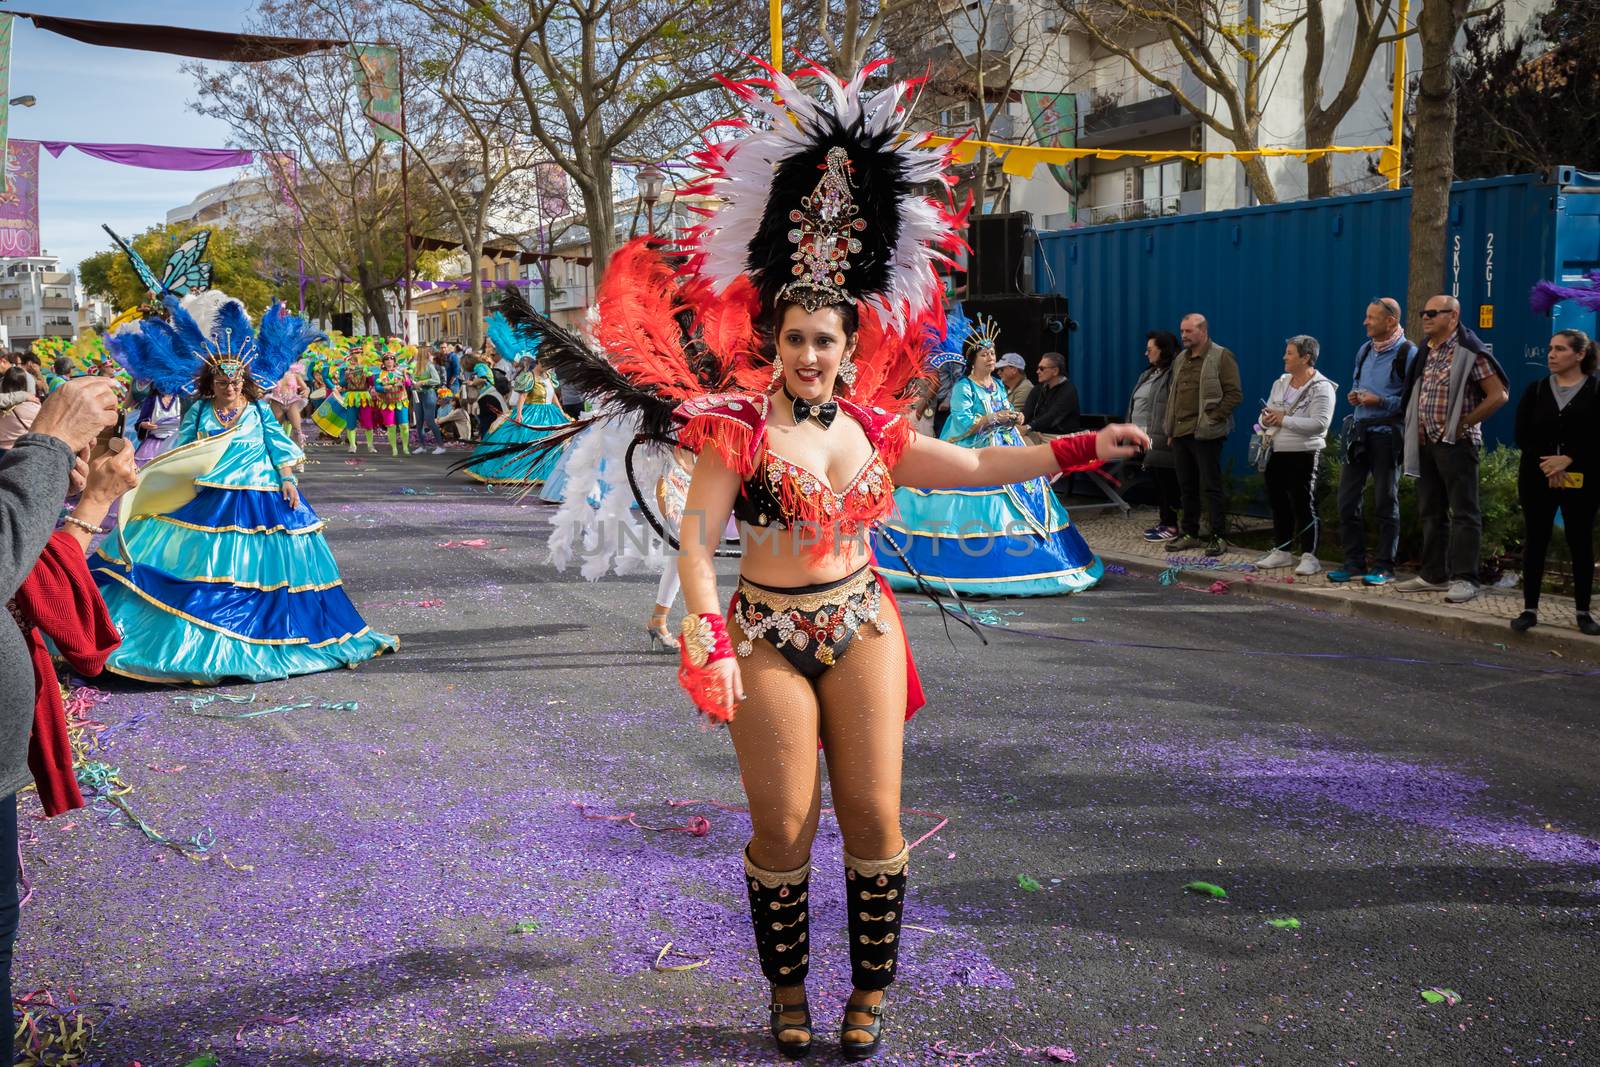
(929,463)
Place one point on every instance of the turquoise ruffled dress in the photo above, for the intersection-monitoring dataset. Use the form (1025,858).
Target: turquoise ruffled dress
(537,410)
(235,584)
(998,540)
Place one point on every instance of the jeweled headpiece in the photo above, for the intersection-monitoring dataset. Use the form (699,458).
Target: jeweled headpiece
(863,233)
(825,237)
(985,333)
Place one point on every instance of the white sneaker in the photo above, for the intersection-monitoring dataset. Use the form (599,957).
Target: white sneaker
(1274,559)
(1309,565)
(1462,591)
(439,451)
(1419,584)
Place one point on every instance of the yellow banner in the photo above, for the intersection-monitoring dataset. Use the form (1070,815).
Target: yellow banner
(1020,160)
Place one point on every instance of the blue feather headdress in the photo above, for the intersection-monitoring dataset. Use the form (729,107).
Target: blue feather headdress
(211,330)
(1546,295)
(951,348)
(510,342)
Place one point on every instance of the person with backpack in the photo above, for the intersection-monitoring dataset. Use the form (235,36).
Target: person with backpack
(1373,449)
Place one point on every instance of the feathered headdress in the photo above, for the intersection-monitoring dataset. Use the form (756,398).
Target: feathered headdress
(211,329)
(951,345)
(1546,295)
(985,333)
(510,343)
(820,207)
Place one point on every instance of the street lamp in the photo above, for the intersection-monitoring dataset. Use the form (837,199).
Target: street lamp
(650,180)
(23,101)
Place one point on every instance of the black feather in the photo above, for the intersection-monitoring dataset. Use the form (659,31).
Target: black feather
(575,363)
(877,185)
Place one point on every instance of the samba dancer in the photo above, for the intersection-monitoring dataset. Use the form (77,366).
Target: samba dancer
(817,272)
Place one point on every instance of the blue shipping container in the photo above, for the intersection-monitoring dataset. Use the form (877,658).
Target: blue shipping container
(1263,274)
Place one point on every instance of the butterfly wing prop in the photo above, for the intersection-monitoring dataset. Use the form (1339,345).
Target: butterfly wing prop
(185,272)
(147,278)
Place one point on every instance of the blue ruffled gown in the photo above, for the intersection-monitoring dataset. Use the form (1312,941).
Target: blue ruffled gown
(537,409)
(1001,540)
(234,584)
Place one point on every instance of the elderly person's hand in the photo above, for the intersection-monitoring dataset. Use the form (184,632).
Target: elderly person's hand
(77,411)
(111,473)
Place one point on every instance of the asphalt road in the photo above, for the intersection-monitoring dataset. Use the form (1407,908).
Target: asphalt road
(409,882)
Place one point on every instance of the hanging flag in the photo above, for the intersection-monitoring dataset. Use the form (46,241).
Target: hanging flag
(378,84)
(1055,121)
(5,86)
(19,203)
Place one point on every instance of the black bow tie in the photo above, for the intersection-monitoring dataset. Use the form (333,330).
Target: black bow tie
(804,409)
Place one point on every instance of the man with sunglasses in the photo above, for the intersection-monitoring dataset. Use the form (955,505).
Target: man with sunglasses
(1372,445)
(1454,385)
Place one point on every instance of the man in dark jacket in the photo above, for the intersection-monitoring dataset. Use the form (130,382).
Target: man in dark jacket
(34,474)
(1203,392)
(1052,408)
(1453,385)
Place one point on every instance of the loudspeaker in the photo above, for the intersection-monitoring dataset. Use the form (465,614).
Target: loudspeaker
(1002,254)
(344,322)
(1030,325)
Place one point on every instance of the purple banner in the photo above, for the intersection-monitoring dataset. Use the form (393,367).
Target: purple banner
(19,203)
(456,283)
(157,156)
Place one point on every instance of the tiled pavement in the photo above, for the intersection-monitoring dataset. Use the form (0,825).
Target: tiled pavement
(1119,540)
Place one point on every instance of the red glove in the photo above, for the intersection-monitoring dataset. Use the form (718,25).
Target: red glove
(1076,451)
(703,642)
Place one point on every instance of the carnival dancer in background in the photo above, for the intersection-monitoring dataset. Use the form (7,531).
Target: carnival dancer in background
(999,540)
(391,401)
(288,399)
(355,381)
(536,418)
(809,293)
(237,582)
(157,424)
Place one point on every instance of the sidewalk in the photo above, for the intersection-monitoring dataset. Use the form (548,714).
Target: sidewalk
(1119,540)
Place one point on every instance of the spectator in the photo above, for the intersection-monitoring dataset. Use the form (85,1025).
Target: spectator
(1558,431)
(571,399)
(452,368)
(35,369)
(501,361)
(1200,401)
(18,406)
(453,418)
(1452,386)
(1148,410)
(1373,446)
(1013,372)
(426,379)
(1297,416)
(34,477)
(1052,407)
(949,374)
(20,361)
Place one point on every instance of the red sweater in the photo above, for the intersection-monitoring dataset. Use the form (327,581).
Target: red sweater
(59,600)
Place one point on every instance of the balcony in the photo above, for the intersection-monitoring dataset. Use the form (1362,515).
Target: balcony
(58,329)
(56,303)
(1132,109)
(55,277)
(1150,207)
(10,303)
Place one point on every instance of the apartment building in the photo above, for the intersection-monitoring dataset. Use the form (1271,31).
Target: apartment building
(37,299)
(1033,51)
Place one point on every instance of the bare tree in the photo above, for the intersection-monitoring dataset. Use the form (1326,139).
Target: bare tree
(1373,17)
(1228,54)
(1433,151)
(486,171)
(346,195)
(977,56)
(847,34)
(603,81)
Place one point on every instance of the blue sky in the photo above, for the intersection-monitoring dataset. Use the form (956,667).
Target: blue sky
(111,94)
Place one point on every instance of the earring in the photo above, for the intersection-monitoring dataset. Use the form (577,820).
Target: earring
(847,371)
(777,370)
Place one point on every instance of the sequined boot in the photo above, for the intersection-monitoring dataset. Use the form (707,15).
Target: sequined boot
(780,911)
(875,891)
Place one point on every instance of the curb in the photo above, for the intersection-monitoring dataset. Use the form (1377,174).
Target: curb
(1492,632)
